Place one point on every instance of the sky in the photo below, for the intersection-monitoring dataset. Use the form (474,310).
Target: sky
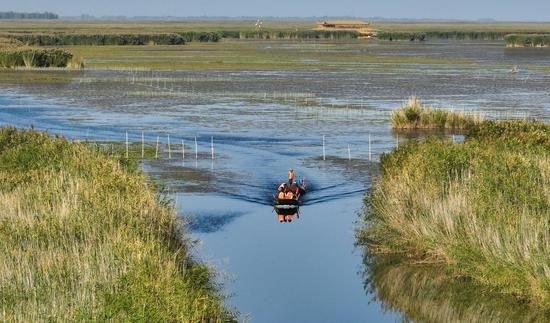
(506,10)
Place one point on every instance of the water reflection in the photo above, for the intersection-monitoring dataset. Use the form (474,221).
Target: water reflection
(429,293)
(287,215)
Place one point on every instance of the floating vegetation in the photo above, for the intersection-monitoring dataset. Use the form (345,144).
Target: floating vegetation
(414,115)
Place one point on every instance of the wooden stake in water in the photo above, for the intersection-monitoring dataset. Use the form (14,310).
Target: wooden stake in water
(157,149)
(370,151)
(349,153)
(126,144)
(196,149)
(323,147)
(212,146)
(142,145)
(169,150)
(182,149)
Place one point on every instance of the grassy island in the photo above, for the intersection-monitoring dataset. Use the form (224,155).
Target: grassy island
(87,238)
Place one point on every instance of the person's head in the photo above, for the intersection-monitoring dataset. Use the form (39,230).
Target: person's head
(291,170)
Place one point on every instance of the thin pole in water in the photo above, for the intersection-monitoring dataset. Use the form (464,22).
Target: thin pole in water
(370,151)
(349,153)
(196,149)
(182,149)
(324,147)
(142,145)
(157,149)
(169,150)
(212,146)
(126,144)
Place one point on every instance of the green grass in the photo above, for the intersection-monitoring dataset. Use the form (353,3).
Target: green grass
(87,238)
(414,115)
(480,206)
(527,40)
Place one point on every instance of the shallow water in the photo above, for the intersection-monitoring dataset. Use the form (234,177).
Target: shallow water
(261,125)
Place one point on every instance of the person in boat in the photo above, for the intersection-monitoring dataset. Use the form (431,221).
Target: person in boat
(288,194)
(291,176)
(281,192)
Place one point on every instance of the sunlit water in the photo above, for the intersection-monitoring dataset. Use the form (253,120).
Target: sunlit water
(309,269)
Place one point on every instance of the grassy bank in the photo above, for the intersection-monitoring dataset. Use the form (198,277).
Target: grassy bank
(480,206)
(414,115)
(85,239)
(527,40)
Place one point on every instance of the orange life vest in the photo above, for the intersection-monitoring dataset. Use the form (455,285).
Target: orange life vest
(289,195)
(281,195)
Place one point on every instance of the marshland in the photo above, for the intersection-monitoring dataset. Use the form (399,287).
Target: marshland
(154,164)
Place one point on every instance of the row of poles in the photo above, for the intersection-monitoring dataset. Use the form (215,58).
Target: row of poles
(169,147)
(127,141)
(349,149)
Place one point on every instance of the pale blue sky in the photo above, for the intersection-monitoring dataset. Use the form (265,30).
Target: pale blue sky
(434,9)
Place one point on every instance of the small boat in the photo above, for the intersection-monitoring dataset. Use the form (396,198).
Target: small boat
(291,204)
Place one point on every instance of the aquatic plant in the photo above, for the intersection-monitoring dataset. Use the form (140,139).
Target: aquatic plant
(414,115)
(98,39)
(34,57)
(86,238)
(527,40)
(480,206)
(401,35)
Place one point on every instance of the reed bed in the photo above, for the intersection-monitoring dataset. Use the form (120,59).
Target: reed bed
(14,57)
(414,115)
(527,40)
(39,39)
(86,238)
(480,206)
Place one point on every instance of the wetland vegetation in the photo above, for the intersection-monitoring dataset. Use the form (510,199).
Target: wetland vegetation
(527,40)
(414,115)
(85,237)
(480,206)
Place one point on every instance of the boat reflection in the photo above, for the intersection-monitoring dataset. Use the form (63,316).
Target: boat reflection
(287,215)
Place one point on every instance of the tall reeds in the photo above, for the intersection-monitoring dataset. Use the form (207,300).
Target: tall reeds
(481,206)
(527,40)
(85,239)
(414,115)
(34,57)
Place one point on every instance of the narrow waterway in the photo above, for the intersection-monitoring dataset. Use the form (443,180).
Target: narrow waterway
(308,270)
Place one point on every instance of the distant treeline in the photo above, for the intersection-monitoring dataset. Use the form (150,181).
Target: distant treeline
(527,40)
(99,39)
(34,57)
(28,15)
